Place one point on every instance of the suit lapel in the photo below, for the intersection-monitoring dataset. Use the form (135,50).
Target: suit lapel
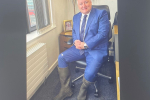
(78,25)
(91,16)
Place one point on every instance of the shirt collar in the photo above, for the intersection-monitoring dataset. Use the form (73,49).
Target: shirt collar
(86,14)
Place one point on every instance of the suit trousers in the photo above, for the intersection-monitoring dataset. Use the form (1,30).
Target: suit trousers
(73,54)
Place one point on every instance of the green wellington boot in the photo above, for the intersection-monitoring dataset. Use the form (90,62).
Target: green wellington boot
(83,89)
(65,91)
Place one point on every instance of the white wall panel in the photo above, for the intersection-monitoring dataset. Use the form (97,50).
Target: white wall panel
(111,3)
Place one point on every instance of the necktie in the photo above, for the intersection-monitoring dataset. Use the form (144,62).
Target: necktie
(82,28)
(82,32)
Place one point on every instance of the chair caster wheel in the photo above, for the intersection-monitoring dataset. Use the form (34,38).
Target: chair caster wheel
(96,94)
(110,81)
(76,70)
(72,85)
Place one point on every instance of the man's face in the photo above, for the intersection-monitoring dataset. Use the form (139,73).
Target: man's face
(85,6)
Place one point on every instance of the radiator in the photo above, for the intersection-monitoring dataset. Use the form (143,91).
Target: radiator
(37,67)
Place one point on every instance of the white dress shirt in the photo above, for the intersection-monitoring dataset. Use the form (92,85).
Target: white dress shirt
(82,20)
(85,25)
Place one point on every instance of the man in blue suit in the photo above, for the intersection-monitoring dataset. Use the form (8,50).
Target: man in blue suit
(90,37)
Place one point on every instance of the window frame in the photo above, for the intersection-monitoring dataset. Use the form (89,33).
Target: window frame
(51,23)
(50,18)
(30,29)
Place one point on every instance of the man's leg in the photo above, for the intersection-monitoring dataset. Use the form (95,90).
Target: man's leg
(91,70)
(70,55)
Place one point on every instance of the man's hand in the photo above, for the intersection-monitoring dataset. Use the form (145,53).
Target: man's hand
(79,44)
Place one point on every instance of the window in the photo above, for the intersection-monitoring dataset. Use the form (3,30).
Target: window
(31,16)
(37,14)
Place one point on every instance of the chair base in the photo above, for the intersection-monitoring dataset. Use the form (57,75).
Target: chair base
(96,94)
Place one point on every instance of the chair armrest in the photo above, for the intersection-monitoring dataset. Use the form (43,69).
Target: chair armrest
(81,62)
(110,46)
(70,42)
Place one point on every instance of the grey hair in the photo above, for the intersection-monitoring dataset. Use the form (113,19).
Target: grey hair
(77,1)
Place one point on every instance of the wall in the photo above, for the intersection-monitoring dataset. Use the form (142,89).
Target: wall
(134,55)
(111,3)
(13,50)
(63,10)
(52,37)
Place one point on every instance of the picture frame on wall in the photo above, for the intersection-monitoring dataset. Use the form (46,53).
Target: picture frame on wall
(68,24)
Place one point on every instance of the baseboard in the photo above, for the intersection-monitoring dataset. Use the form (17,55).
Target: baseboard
(51,68)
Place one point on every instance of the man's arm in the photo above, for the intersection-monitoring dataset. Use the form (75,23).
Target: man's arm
(74,36)
(102,31)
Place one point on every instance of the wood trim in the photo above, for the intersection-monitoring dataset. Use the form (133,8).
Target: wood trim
(66,33)
(117,83)
(63,38)
(115,29)
(52,67)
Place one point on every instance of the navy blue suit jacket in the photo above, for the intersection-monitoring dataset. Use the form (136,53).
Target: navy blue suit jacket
(96,32)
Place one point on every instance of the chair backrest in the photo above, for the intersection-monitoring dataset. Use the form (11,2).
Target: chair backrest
(116,19)
(105,7)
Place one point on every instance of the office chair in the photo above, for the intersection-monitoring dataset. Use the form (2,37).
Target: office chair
(116,19)
(106,59)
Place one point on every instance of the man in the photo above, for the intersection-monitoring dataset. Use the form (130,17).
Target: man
(90,37)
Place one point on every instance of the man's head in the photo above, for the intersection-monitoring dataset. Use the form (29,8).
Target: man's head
(84,6)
